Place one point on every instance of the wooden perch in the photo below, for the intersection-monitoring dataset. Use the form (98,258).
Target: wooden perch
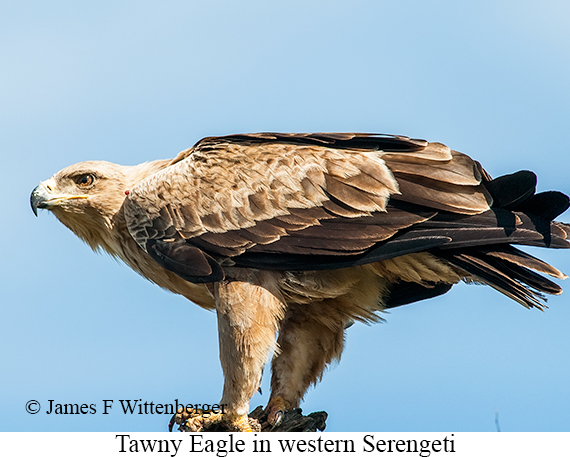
(293,421)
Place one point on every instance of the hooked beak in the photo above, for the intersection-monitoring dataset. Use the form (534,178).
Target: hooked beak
(43,196)
(39,198)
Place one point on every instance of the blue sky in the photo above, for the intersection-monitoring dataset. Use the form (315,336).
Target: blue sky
(132,81)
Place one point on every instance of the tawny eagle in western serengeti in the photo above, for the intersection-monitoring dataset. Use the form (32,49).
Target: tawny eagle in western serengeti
(292,237)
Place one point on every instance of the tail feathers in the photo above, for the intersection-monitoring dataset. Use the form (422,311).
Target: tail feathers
(502,266)
(523,259)
(509,271)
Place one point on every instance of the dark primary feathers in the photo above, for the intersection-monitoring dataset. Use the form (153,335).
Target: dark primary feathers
(326,201)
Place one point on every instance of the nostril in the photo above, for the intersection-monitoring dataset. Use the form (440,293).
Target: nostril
(48,188)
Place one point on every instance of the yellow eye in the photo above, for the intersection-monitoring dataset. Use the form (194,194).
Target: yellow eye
(85,180)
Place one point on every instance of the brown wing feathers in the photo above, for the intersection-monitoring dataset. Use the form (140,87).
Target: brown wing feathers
(187,261)
(319,201)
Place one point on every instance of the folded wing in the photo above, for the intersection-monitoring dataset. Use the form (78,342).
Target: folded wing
(326,201)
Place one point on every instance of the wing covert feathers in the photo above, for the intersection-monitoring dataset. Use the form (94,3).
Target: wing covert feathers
(325,201)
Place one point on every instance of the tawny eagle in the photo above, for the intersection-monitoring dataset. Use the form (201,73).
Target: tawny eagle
(291,237)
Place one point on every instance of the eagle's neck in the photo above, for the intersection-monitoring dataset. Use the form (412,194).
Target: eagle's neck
(115,238)
(117,241)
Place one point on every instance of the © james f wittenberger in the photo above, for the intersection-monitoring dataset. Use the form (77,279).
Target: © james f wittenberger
(125,406)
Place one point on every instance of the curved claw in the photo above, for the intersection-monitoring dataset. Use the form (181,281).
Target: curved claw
(278,417)
(172,422)
(275,411)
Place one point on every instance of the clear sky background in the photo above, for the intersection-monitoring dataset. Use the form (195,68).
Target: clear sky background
(132,81)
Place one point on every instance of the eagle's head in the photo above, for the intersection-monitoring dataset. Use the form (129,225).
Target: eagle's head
(85,197)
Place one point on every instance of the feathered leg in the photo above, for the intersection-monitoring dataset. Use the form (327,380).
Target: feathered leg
(310,337)
(248,315)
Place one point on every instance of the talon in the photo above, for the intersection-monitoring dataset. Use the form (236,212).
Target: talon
(278,419)
(172,422)
(276,411)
